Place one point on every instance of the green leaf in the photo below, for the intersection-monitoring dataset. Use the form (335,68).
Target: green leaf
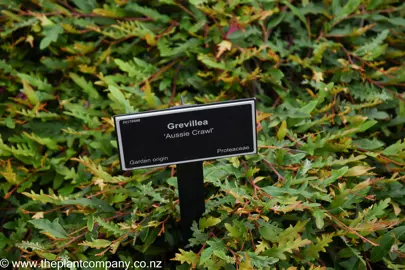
(298,13)
(138,69)
(268,232)
(148,12)
(395,149)
(48,142)
(31,95)
(122,103)
(199,237)
(281,250)
(87,87)
(110,227)
(276,20)
(367,50)
(28,245)
(319,246)
(4,241)
(399,233)
(308,108)
(86,6)
(206,222)
(215,245)
(373,4)
(377,210)
(386,242)
(97,244)
(95,203)
(257,261)
(199,2)
(37,81)
(335,174)
(352,264)
(368,144)
(282,131)
(366,125)
(319,216)
(221,254)
(351,6)
(186,257)
(52,33)
(6,67)
(233,231)
(17,26)
(52,229)
(46,255)
(358,256)
(398,21)
(211,62)
(358,171)
(90,222)
(149,96)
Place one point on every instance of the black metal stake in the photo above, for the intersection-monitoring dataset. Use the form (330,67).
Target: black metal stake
(190,180)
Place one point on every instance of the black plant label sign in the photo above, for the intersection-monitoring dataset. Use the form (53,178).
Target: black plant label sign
(186,134)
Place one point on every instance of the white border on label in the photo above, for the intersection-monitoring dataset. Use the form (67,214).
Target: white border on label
(181,110)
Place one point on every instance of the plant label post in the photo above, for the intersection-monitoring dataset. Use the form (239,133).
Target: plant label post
(186,136)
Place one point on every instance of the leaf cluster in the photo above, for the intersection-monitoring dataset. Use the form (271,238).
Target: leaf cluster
(326,189)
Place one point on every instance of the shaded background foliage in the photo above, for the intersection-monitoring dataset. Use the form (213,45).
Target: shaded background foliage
(325,190)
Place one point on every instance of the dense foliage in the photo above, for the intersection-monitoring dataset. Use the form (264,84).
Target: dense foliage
(325,190)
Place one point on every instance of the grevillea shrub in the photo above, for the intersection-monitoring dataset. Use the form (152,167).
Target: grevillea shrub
(326,188)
